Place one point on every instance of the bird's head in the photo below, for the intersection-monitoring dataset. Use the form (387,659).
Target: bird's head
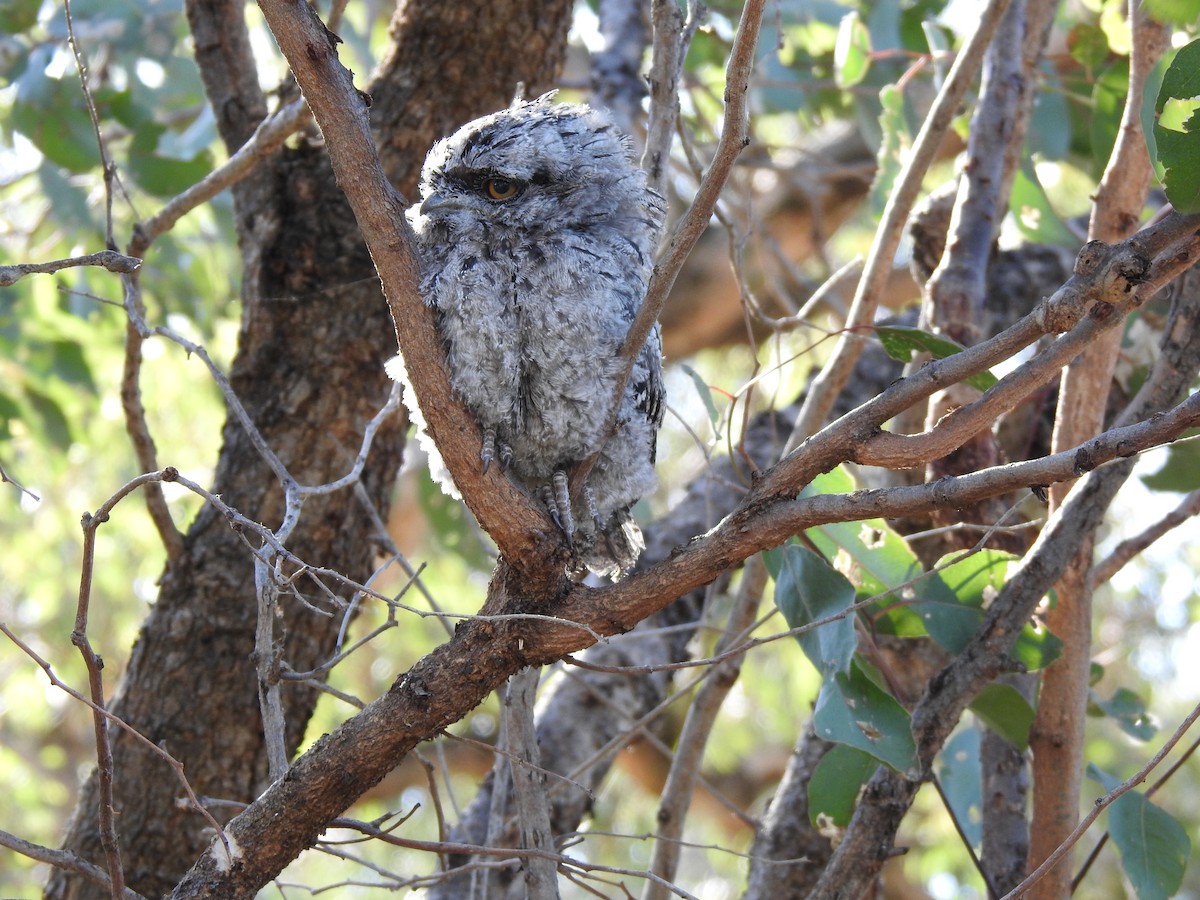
(535,166)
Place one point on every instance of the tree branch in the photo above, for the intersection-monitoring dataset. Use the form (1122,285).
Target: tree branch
(105,259)
(519,526)
(829,383)
(1056,738)
(65,860)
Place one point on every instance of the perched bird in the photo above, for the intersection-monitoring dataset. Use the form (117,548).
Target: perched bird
(536,235)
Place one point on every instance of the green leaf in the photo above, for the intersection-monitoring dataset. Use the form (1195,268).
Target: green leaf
(1108,105)
(18,15)
(895,138)
(1006,712)
(973,582)
(1173,12)
(852,710)
(852,52)
(71,366)
(1051,128)
(1129,711)
(54,424)
(835,783)
(65,137)
(1177,129)
(807,588)
(1181,471)
(901,342)
(1088,45)
(1031,211)
(10,411)
(1154,847)
(705,392)
(68,201)
(874,557)
(959,775)
(158,174)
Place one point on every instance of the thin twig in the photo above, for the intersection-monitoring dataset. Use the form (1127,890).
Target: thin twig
(697,727)
(508,854)
(104,259)
(65,860)
(5,478)
(1150,792)
(106,163)
(734,138)
(158,751)
(1102,804)
(962,837)
(1128,549)
(829,383)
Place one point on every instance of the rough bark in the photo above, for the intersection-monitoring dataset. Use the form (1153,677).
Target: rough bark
(309,371)
(787,834)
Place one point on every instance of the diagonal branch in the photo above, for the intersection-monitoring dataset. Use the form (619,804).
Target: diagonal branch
(521,529)
(829,383)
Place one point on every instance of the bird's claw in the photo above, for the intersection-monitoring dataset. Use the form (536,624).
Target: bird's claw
(492,448)
(488,451)
(557,497)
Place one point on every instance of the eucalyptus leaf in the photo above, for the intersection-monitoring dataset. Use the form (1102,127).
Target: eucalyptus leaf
(852,53)
(1129,711)
(1177,129)
(901,342)
(836,782)
(961,781)
(705,392)
(973,582)
(1035,218)
(807,589)
(852,710)
(1181,471)
(1154,847)
(1006,711)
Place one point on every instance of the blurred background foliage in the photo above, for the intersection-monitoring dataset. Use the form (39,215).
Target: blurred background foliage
(867,68)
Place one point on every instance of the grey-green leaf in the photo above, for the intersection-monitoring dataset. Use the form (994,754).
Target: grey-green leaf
(807,589)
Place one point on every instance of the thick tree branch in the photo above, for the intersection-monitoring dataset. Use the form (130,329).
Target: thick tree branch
(1102,273)
(450,681)
(519,526)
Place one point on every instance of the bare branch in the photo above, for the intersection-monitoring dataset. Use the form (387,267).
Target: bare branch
(5,478)
(267,138)
(105,259)
(672,36)
(702,714)
(1057,736)
(829,383)
(1128,549)
(64,859)
(175,764)
(529,785)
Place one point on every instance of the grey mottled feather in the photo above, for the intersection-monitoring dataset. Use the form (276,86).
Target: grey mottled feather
(534,294)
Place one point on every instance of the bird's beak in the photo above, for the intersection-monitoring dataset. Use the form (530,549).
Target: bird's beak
(436,201)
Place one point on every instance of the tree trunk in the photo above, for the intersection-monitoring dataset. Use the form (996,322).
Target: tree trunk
(309,372)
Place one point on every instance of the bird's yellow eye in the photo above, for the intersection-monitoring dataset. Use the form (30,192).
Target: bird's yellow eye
(501,188)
